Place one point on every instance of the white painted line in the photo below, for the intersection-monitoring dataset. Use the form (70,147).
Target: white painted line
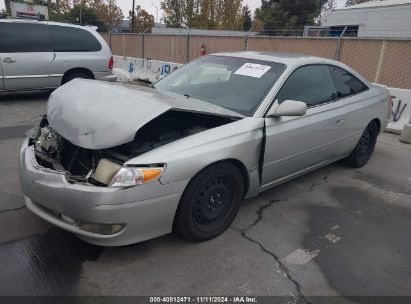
(300,256)
(332,237)
(335,227)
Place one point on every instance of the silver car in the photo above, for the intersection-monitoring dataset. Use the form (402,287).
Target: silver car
(44,55)
(117,164)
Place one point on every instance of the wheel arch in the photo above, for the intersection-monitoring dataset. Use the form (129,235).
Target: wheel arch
(76,70)
(237,163)
(378,123)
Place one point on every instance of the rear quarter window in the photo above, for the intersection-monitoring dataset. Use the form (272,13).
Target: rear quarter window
(345,83)
(71,39)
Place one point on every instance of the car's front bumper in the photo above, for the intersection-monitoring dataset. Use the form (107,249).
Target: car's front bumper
(147,211)
(105,76)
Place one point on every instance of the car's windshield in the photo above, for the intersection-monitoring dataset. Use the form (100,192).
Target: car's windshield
(237,84)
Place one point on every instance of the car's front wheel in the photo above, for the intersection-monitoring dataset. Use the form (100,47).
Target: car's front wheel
(210,202)
(364,148)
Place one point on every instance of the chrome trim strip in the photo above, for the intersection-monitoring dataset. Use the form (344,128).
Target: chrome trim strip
(26,76)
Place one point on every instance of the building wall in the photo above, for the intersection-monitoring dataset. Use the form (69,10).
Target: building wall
(386,22)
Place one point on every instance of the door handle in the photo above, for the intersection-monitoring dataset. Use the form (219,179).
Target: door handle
(9,60)
(339,121)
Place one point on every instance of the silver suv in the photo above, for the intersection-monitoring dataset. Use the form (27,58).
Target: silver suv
(42,55)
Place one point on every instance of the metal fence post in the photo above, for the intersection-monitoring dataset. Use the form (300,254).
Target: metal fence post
(246,39)
(338,46)
(188,47)
(109,35)
(380,61)
(142,45)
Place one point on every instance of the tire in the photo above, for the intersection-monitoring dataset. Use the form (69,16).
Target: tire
(210,202)
(364,148)
(78,74)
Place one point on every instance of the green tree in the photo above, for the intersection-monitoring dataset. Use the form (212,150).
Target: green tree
(246,18)
(232,18)
(173,11)
(89,16)
(143,20)
(285,16)
(108,12)
(209,14)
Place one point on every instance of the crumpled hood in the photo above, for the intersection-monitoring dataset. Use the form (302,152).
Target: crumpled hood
(97,115)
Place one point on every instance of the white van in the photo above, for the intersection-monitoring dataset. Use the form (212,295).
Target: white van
(45,55)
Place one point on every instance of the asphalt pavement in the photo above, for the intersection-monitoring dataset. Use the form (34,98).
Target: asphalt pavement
(337,231)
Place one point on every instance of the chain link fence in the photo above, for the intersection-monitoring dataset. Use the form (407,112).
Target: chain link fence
(385,61)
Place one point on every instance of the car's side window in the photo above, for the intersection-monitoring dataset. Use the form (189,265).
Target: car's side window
(24,38)
(311,84)
(71,39)
(345,83)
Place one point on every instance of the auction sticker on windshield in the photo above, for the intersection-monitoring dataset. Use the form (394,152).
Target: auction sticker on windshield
(252,70)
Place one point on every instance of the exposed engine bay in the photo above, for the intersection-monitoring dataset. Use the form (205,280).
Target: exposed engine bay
(85,165)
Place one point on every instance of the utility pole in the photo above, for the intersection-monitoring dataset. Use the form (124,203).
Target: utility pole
(156,12)
(133,15)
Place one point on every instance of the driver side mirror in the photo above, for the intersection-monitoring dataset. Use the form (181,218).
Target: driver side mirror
(288,108)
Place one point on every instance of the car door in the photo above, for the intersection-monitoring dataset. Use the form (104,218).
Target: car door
(297,144)
(74,48)
(26,55)
(359,107)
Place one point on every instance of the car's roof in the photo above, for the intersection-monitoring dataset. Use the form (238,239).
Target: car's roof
(31,21)
(285,58)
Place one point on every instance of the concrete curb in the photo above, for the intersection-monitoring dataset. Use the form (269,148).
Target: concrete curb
(129,69)
(406,134)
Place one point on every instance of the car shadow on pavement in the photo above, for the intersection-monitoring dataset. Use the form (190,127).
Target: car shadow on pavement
(360,244)
(24,96)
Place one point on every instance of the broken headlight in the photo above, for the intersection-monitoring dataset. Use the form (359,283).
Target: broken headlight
(133,176)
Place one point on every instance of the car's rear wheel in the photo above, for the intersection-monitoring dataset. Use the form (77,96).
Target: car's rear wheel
(365,147)
(76,74)
(210,202)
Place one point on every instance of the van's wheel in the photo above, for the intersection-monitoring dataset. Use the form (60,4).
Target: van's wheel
(77,74)
(365,147)
(210,202)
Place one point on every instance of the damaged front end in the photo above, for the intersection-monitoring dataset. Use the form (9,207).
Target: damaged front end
(105,167)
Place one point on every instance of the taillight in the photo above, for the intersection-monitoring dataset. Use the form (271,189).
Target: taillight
(111,63)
